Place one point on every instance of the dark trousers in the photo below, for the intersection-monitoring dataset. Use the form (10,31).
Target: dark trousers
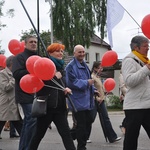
(17,124)
(84,120)
(134,120)
(105,121)
(61,122)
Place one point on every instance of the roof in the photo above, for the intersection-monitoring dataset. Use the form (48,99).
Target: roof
(97,40)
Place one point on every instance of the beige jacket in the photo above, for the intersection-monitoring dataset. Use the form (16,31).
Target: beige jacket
(98,84)
(8,107)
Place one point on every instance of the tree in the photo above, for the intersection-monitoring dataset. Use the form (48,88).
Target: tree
(9,12)
(74,21)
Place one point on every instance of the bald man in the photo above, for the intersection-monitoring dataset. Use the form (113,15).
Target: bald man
(78,78)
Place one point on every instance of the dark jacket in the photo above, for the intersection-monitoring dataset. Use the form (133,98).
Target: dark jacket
(56,98)
(19,70)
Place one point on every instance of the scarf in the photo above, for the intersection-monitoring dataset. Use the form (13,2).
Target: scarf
(59,63)
(143,58)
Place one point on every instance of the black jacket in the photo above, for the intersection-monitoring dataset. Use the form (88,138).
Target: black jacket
(19,70)
(56,100)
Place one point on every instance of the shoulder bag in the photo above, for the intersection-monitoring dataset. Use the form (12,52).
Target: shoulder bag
(39,106)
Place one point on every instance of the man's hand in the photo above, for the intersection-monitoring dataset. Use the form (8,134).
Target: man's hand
(90,81)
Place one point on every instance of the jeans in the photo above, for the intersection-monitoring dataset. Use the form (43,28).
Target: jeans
(28,128)
(104,119)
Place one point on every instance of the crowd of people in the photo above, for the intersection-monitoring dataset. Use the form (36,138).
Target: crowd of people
(85,88)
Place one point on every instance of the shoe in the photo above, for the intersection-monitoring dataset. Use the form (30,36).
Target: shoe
(123,129)
(0,137)
(6,129)
(15,136)
(88,141)
(117,139)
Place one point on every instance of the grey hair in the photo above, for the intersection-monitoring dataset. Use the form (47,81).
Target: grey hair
(29,37)
(9,60)
(137,41)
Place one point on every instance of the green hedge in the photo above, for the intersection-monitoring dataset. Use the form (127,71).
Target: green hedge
(113,102)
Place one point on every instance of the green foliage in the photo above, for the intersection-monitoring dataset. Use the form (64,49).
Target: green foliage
(74,21)
(114,102)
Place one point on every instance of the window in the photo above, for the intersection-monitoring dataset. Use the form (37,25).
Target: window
(97,55)
(87,57)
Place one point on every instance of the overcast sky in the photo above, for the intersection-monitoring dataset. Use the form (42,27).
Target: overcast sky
(122,32)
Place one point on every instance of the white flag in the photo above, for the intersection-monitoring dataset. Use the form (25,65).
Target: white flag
(115,12)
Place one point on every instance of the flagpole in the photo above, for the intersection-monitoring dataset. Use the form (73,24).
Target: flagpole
(130,15)
(51,18)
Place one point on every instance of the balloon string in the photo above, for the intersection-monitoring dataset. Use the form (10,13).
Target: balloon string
(53,80)
(54,87)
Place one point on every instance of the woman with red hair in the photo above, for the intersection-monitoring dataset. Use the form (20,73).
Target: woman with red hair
(56,103)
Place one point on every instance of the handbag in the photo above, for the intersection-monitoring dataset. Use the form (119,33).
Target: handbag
(39,106)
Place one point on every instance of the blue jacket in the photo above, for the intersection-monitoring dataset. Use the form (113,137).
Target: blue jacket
(77,76)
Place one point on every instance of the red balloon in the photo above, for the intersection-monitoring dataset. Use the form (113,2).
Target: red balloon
(145,26)
(30,83)
(44,69)
(109,84)
(30,63)
(3,61)
(109,58)
(15,47)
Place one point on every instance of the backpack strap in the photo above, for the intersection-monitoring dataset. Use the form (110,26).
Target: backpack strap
(138,62)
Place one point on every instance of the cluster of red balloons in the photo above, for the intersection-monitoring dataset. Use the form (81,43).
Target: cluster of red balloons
(109,84)
(2,60)
(15,46)
(109,58)
(40,69)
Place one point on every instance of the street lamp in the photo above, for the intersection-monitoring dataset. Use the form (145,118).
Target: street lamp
(51,18)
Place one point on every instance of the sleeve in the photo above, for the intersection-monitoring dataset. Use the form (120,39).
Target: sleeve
(19,67)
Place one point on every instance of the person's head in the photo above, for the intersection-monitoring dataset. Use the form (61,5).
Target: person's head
(9,61)
(79,52)
(96,67)
(56,50)
(140,44)
(31,43)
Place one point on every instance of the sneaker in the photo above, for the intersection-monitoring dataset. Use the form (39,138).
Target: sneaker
(117,139)
(88,141)
(0,137)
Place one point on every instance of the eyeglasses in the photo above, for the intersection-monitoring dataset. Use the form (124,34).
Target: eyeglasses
(32,41)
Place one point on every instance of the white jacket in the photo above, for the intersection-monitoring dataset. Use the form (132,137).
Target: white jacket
(137,80)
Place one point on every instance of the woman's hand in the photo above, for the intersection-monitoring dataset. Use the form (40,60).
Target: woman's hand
(58,75)
(67,91)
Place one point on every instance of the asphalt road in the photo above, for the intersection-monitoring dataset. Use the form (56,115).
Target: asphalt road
(52,140)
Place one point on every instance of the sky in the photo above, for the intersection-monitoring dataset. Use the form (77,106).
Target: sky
(122,33)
